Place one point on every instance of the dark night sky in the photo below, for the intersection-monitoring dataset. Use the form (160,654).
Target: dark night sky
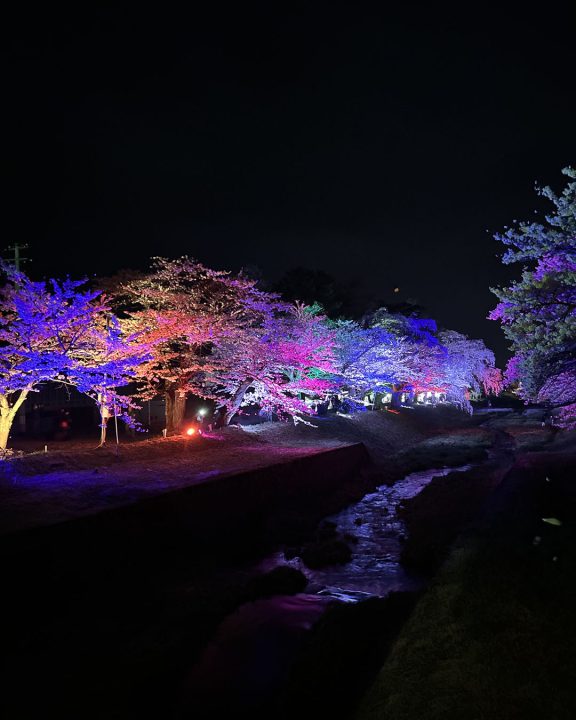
(376,147)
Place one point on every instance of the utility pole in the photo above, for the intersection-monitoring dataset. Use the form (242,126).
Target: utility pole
(17,258)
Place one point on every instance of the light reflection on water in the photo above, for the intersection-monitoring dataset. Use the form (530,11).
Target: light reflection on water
(375,568)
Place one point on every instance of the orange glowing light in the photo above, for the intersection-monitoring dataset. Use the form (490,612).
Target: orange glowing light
(190,431)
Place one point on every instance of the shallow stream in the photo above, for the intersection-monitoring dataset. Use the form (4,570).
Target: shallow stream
(247,659)
(375,568)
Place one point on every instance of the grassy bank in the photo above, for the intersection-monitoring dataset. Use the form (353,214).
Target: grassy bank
(494,636)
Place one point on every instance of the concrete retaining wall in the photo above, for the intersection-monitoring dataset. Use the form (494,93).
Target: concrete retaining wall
(225,518)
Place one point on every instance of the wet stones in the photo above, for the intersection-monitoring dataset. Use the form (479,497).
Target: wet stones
(328,547)
(282,580)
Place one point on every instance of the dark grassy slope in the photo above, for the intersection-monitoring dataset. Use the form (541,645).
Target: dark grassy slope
(494,637)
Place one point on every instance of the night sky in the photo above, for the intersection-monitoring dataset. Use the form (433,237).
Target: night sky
(378,148)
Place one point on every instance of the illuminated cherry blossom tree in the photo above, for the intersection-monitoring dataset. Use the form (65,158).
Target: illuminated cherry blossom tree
(109,358)
(419,355)
(401,354)
(559,391)
(468,366)
(184,311)
(369,358)
(375,359)
(55,331)
(538,312)
(276,364)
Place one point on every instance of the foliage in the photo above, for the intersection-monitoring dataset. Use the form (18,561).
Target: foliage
(559,390)
(183,310)
(184,328)
(420,354)
(277,363)
(396,352)
(57,331)
(538,312)
(368,357)
(217,335)
(468,366)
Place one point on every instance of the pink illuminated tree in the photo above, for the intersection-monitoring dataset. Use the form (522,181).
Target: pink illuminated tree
(185,311)
(276,364)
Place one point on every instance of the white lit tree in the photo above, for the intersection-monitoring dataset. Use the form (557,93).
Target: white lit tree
(468,366)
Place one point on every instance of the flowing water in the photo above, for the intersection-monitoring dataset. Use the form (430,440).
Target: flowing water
(247,659)
(375,568)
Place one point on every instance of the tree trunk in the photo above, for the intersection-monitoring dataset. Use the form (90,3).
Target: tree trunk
(175,408)
(237,398)
(103,428)
(5,425)
(396,395)
(7,415)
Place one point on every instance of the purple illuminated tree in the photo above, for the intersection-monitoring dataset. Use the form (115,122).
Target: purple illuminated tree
(55,331)
(538,312)
(369,358)
(419,354)
(559,391)
(400,354)
(375,358)
(108,359)
(468,366)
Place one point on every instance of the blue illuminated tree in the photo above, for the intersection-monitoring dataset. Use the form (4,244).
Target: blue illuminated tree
(419,354)
(406,355)
(369,358)
(56,331)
